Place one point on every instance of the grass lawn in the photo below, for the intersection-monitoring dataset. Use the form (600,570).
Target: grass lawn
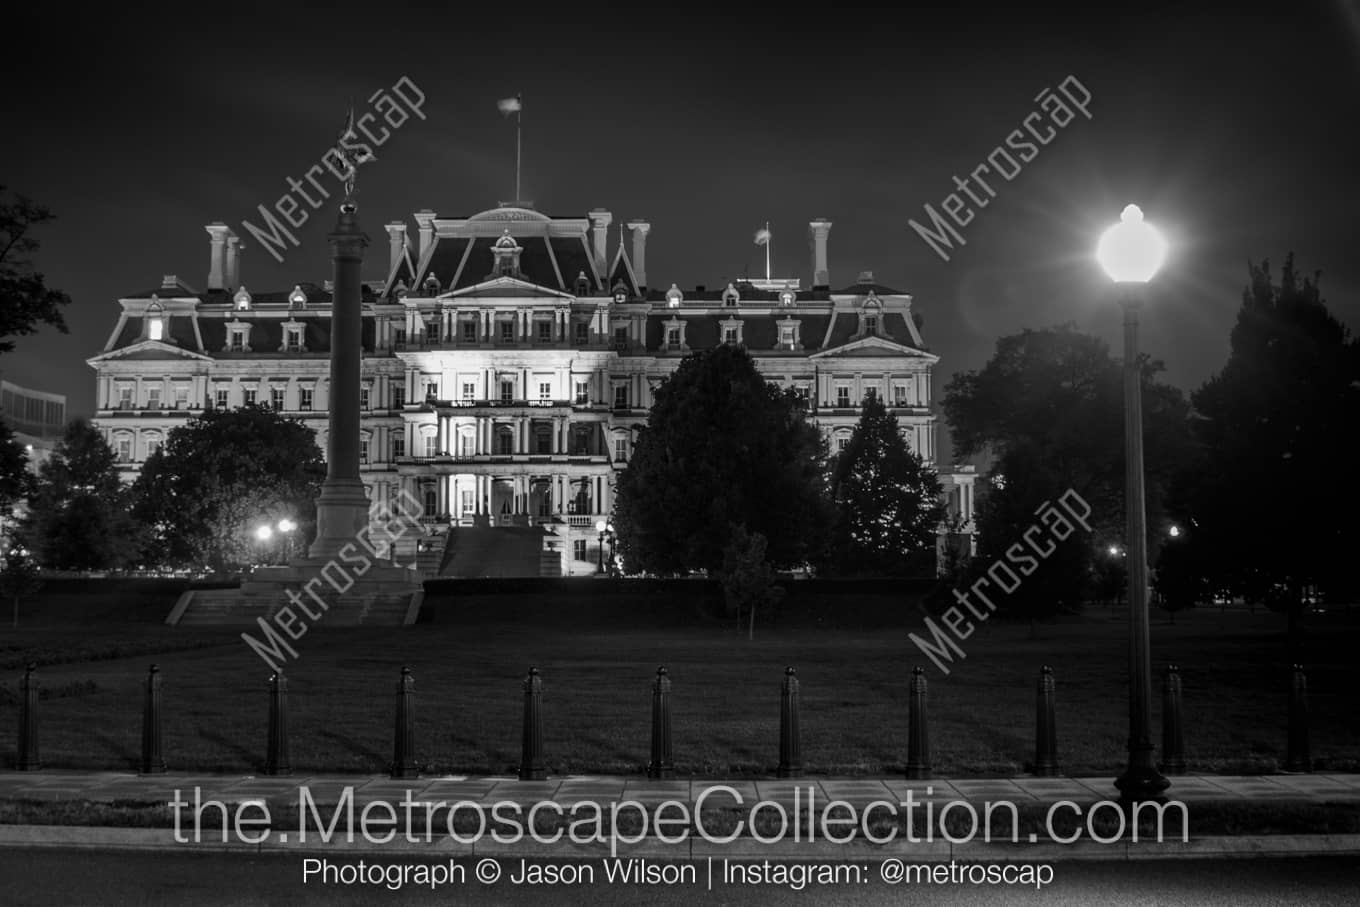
(725,702)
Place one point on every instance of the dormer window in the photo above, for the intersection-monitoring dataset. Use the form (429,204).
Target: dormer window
(730,296)
(155,321)
(674,297)
(675,335)
(787,297)
(242,299)
(400,290)
(870,324)
(731,331)
(292,338)
(582,284)
(432,286)
(507,252)
(297,299)
(620,293)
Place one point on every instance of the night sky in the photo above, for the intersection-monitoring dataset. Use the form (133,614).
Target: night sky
(1238,134)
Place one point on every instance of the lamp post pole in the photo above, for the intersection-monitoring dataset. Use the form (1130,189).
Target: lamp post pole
(1141,780)
(600,527)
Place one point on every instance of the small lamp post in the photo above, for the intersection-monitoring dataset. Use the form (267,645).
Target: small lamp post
(613,543)
(1131,252)
(286,526)
(263,534)
(600,526)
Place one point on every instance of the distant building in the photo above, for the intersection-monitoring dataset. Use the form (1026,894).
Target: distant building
(37,418)
(509,358)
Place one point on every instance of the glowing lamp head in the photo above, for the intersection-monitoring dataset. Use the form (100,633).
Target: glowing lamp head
(264,533)
(1175,532)
(286,525)
(599,525)
(1131,251)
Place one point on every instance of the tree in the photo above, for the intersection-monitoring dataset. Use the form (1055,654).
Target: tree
(18,578)
(78,515)
(748,581)
(721,447)
(888,505)
(219,475)
(15,479)
(25,299)
(1049,406)
(1271,422)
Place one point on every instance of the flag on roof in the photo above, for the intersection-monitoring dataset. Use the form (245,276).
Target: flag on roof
(762,236)
(511,105)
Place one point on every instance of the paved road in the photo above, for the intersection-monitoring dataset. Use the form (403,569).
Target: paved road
(43,877)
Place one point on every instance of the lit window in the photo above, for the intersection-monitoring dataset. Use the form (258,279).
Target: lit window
(431,390)
(249,396)
(125,396)
(620,448)
(223,399)
(899,395)
(305,399)
(673,337)
(786,336)
(156,328)
(729,335)
(181,397)
(363,451)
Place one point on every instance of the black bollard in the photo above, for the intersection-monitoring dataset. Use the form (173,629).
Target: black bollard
(1173,741)
(1045,728)
(661,765)
(790,743)
(404,742)
(153,763)
(531,760)
(918,740)
(28,722)
(276,760)
(1298,759)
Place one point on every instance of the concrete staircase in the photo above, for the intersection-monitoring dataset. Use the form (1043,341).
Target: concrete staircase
(487,551)
(239,608)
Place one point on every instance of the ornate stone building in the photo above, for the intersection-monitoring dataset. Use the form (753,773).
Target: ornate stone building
(508,359)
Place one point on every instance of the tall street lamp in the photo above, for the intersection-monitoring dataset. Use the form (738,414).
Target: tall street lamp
(264,534)
(600,526)
(1131,252)
(286,526)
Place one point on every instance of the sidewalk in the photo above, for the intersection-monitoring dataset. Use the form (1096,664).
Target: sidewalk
(328,790)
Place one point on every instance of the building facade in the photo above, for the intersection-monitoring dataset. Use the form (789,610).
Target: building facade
(37,418)
(509,358)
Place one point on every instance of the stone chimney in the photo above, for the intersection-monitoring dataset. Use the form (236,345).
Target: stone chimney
(425,219)
(817,232)
(217,274)
(396,235)
(233,261)
(600,220)
(640,230)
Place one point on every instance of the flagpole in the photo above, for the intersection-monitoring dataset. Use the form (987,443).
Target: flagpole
(519,124)
(768,242)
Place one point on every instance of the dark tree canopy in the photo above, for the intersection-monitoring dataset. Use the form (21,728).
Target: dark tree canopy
(1049,406)
(722,447)
(888,505)
(219,475)
(78,516)
(14,475)
(25,299)
(1278,416)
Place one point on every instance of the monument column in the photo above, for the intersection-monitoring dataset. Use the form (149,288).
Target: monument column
(342,508)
